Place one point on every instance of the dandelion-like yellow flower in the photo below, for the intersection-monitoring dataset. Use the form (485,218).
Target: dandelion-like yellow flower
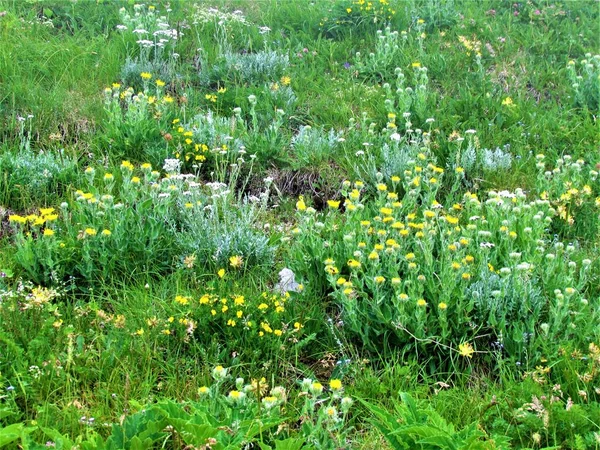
(335,384)
(236,261)
(300,205)
(333,204)
(466,350)
(17,219)
(507,102)
(145,75)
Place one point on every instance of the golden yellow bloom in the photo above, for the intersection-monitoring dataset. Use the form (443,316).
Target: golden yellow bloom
(421,302)
(202,390)
(106,232)
(221,273)
(48,232)
(236,261)
(466,350)
(90,231)
(17,219)
(160,83)
(442,306)
(507,102)
(373,255)
(300,205)
(353,264)
(333,204)
(146,75)
(335,384)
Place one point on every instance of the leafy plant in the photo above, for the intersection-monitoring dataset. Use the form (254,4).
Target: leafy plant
(413,427)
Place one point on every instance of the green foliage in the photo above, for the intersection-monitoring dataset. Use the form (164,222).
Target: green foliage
(119,229)
(30,178)
(474,284)
(402,252)
(412,427)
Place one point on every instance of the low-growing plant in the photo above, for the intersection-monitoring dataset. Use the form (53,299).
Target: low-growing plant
(226,415)
(356,17)
(423,428)
(407,272)
(573,190)
(156,40)
(121,228)
(30,178)
(384,58)
(136,122)
(265,66)
(313,147)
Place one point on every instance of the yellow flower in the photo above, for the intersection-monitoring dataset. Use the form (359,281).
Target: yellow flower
(416,64)
(421,302)
(285,80)
(381,187)
(300,205)
(160,83)
(106,232)
(379,279)
(316,388)
(90,231)
(236,261)
(442,306)
(466,350)
(507,102)
(410,256)
(335,384)
(202,390)
(127,165)
(235,395)
(46,211)
(353,264)
(333,204)
(221,273)
(48,232)
(17,219)
(108,176)
(146,75)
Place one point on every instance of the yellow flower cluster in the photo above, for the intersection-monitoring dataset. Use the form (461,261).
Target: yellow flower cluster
(187,149)
(261,316)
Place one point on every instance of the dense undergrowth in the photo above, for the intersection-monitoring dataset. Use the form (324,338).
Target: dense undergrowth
(299,225)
